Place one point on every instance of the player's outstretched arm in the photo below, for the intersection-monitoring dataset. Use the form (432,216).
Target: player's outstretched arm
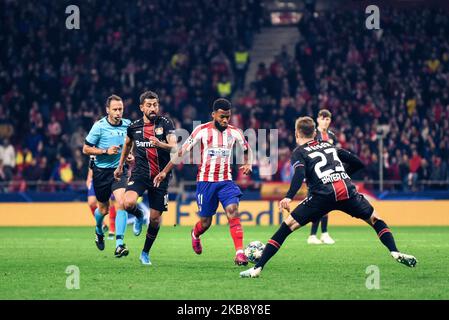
(353,162)
(127,146)
(247,167)
(175,159)
(295,185)
(94,151)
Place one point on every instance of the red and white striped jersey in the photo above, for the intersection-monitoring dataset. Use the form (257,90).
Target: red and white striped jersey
(216,150)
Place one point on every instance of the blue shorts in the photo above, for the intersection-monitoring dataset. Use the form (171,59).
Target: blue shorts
(208,194)
(91,191)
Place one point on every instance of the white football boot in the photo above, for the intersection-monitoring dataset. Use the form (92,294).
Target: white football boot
(408,260)
(326,238)
(251,273)
(313,240)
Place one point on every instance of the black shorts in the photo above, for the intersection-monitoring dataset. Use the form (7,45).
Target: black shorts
(105,184)
(157,197)
(315,207)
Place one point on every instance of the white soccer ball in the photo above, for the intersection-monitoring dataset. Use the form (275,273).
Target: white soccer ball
(254,251)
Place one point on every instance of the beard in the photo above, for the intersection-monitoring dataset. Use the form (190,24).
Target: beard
(151,116)
(219,126)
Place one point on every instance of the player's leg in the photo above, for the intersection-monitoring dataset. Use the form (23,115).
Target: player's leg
(92,203)
(152,231)
(325,237)
(359,207)
(310,209)
(120,224)
(102,180)
(207,200)
(100,213)
(236,230)
(229,195)
(158,198)
(134,190)
(313,239)
(112,217)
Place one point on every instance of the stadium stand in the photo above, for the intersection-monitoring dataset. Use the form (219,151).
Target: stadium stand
(54,81)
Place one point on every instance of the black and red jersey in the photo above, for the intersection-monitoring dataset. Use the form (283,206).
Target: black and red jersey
(324,171)
(327,136)
(150,160)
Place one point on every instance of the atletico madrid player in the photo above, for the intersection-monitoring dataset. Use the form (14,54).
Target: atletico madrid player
(214,178)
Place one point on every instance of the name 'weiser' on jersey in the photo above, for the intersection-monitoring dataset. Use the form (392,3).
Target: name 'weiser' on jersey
(149,160)
(325,173)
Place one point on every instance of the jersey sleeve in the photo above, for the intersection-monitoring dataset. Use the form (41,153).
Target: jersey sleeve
(192,140)
(129,132)
(240,138)
(93,137)
(298,165)
(297,160)
(353,163)
(169,127)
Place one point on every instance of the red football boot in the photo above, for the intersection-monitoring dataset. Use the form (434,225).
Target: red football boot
(196,244)
(241,259)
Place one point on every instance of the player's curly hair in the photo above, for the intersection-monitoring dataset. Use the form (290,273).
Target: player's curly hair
(148,95)
(305,126)
(222,104)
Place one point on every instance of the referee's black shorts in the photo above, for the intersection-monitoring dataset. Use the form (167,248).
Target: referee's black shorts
(314,207)
(105,184)
(157,197)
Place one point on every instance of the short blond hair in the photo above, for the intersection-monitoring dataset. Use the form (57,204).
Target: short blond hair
(305,126)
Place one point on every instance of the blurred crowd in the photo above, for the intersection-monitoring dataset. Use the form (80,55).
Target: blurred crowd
(392,82)
(54,81)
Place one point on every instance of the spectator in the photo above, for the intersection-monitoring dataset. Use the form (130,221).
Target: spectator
(8,158)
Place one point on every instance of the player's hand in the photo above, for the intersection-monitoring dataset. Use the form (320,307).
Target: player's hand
(118,173)
(247,169)
(113,150)
(155,141)
(130,159)
(285,204)
(159,178)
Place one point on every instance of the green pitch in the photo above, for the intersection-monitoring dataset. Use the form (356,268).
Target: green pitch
(33,262)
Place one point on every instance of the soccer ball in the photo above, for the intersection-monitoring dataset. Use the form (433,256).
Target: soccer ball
(254,251)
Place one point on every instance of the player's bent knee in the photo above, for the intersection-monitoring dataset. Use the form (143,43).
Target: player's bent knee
(372,220)
(103,207)
(128,204)
(292,223)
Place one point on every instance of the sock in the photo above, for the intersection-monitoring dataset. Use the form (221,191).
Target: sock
(136,212)
(112,215)
(198,230)
(120,223)
(385,235)
(235,227)
(324,221)
(151,236)
(274,244)
(314,228)
(99,221)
